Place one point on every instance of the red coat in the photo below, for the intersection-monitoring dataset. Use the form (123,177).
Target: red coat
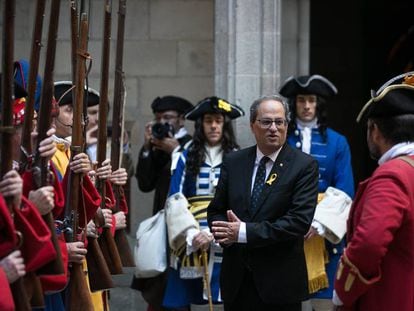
(52,283)
(6,297)
(89,200)
(376,272)
(7,242)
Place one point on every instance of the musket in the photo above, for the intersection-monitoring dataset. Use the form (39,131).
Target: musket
(41,170)
(20,298)
(26,145)
(74,16)
(78,294)
(98,268)
(117,125)
(106,240)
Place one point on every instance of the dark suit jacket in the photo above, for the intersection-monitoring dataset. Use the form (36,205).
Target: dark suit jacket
(274,249)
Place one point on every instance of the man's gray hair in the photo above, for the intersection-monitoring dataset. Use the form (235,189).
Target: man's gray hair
(257,102)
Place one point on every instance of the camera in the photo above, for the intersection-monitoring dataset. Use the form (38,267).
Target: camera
(162,130)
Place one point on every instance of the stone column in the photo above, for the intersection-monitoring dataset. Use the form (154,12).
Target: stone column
(249,51)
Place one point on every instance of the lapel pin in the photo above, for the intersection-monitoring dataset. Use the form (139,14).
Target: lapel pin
(281,164)
(271,179)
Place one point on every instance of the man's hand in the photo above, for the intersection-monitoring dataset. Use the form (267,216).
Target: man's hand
(13,266)
(81,164)
(47,147)
(92,135)
(227,232)
(76,251)
(202,240)
(12,186)
(43,199)
(107,214)
(311,233)
(105,171)
(120,220)
(167,144)
(91,231)
(148,135)
(119,177)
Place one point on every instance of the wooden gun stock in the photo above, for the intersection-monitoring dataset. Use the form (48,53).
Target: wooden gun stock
(121,239)
(124,249)
(34,290)
(20,298)
(98,271)
(110,252)
(79,297)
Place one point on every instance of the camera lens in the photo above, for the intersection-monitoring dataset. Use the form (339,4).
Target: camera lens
(162,130)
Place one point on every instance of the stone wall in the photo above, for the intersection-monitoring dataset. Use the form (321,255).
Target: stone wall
(168,51)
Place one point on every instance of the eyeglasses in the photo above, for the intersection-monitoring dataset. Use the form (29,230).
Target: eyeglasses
(267,123)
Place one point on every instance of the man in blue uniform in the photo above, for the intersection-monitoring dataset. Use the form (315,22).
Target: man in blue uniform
(308,132)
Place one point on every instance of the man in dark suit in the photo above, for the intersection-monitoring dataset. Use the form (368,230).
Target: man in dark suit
(263,206)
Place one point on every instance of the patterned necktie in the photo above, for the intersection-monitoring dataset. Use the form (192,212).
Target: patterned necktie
(258,183)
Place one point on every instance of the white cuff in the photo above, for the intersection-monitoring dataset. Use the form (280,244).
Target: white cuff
(242,238)
(335,300)
(318,227)
(189,239)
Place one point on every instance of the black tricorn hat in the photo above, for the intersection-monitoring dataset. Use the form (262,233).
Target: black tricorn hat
(63,94)
(214,105)
(170,102)
(315,85)
(395,97)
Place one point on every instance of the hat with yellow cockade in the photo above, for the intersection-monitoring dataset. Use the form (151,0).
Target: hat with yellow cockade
(215,105)
(395,97)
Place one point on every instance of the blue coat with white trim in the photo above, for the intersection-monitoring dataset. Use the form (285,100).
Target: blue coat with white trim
(183,292)
(335,170)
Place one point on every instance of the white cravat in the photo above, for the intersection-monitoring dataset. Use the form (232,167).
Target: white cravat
(306,133)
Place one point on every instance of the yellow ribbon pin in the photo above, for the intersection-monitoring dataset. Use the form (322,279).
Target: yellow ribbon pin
(271,179)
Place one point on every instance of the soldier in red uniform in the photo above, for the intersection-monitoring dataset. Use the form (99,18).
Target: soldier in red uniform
(376,271)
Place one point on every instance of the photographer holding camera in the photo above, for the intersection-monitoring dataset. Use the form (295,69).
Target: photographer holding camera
(162,136)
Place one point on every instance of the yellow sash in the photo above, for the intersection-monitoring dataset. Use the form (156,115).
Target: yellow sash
(316,258)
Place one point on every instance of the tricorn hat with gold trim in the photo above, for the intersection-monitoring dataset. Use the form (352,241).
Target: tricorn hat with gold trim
(214,105)
(395,97)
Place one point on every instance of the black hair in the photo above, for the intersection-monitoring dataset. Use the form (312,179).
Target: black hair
(255,106)
(321,114)
(196,153)
(397,129)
